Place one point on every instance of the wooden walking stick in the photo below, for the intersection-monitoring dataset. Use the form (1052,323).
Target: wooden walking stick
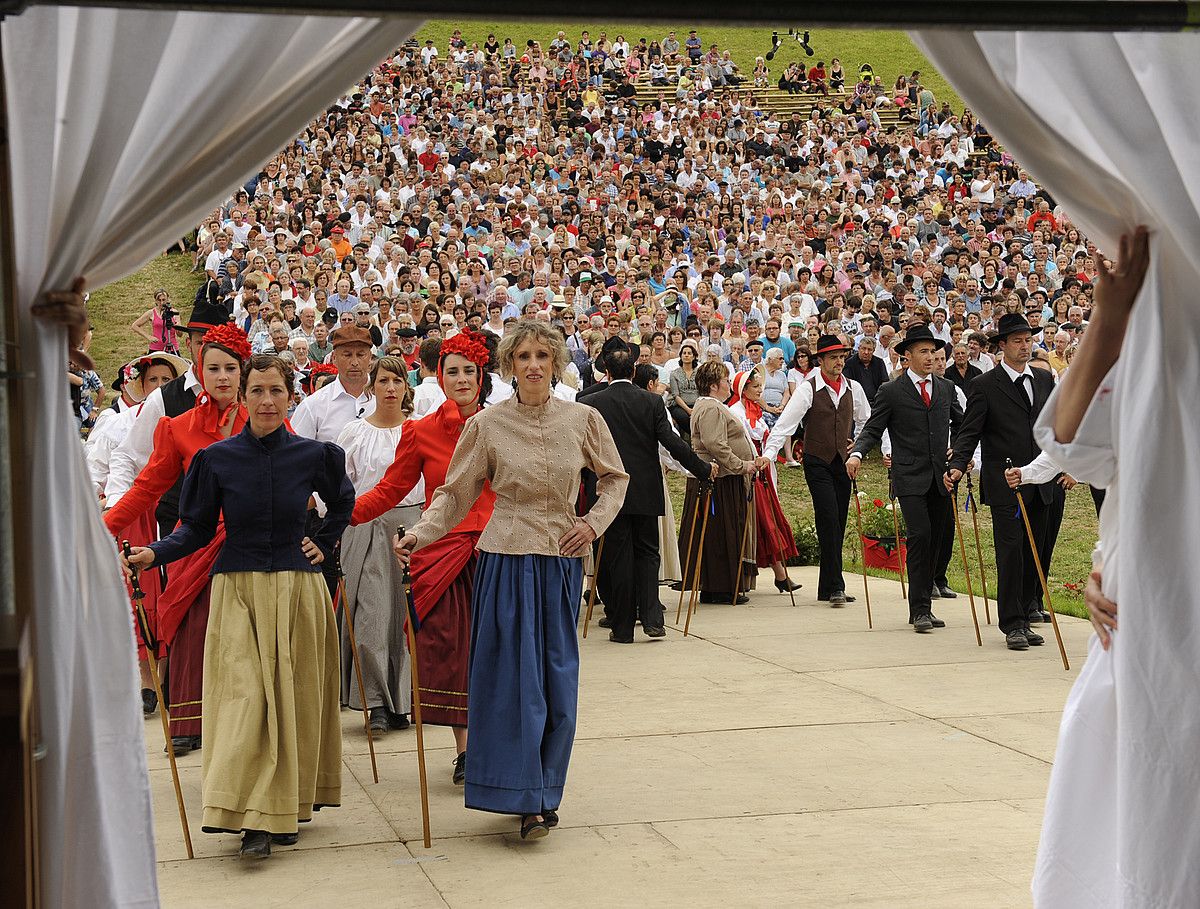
(737,584)
(587,620)
(862,549)
(1037,563)
(362,690)
(962,548)
(987,609)
(699,560)
(410,626)
(896,531)
(151,647)
(687,556)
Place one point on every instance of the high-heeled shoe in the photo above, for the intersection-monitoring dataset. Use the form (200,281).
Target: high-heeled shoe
(787,585)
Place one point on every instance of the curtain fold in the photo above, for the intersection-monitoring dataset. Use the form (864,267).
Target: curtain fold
(127,127)
(1108,124)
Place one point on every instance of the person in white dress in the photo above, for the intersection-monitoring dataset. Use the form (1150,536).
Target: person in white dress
(373,589)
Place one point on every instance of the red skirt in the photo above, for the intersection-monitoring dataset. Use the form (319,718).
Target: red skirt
(443,644)
(776,542)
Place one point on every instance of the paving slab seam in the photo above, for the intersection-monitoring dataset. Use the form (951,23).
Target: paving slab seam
(1012,748)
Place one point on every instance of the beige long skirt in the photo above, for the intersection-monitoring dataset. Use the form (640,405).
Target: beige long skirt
(272,735)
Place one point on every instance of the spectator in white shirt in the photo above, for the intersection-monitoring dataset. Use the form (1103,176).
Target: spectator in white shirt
(324,414)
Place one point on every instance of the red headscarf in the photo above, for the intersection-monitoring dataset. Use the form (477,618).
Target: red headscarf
(753,410)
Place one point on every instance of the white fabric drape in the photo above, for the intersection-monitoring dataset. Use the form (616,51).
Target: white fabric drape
(1108,125)
(127,127)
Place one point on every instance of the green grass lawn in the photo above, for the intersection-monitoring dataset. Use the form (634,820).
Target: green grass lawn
(889,53)
(1072,555)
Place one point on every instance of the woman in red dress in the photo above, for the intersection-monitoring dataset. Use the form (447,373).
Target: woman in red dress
(776,543)
(183,605)
(443,572)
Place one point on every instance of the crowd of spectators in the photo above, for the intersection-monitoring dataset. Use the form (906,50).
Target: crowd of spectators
(647,189)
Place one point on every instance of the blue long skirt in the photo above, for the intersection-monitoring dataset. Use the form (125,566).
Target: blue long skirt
(524,681)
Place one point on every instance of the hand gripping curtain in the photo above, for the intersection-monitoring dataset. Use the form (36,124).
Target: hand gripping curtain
(1108,124)
(127,128)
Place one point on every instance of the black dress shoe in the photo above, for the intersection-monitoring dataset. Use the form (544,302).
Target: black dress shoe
(183,744)
(1035,618)
(676,585)
(612,636)
(934,593)
(1033,638)
(923,623)
(937,623)
(149,702)
(742,599)
(1016,640)
(787,585)
(1045,616)
(398,720)
(947,593)
(551,817)
(659,632)
(460,769)
(256,844)
(605,622)
(838,599)
(284,839)
(379,721)
(532,829)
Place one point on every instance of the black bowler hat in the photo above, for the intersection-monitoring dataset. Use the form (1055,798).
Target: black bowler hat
(1010,324)
(830,344)
(913,335)
(207,314)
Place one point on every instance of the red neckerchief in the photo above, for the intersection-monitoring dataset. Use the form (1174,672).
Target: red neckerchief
(837,389)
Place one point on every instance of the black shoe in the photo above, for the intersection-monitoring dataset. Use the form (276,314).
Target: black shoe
(149,702)
(284,839)
(1045,617)
(256,844)
(934,593)
(533,829)
(460,769)
(398,720)
(786,586)
(612,636)
(1016,640)
(551,817)
(379,721)
(659,632)
(1033,637)
(837,599)
(947,593)
(1035,618)
(676,585)
(742,599)
(937,623)
(183,744)
(605,622)
(923,623)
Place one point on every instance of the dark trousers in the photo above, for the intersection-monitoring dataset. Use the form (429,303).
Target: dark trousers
(682,419)
(1018,590)
(942,563)
(829,487)
(1054,519)
(1097,498)
(629,573)
(926,518)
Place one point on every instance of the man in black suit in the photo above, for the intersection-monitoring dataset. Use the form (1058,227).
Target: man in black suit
(960,371)
(919,410)
(629,564)
(1002,406)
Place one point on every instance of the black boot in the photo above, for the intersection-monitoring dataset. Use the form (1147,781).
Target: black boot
(256,844)
(149,702)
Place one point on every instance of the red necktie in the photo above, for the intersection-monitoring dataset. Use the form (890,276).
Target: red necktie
(925,392)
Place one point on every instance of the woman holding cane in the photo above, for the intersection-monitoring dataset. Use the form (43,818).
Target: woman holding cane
(273,736)
(524,664)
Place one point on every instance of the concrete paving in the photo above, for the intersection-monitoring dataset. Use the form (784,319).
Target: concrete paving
(776,756)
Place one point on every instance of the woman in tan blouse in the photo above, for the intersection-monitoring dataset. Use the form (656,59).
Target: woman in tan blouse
(524,660)
(719,436)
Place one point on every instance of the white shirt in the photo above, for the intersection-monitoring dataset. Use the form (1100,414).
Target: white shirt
(324,414)
(370,451)
(984,364)
(128,458)
(800,402)
(428,397)
(110,430)
(1016,379)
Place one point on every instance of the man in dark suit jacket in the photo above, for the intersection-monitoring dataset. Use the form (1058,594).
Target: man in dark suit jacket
(960,371)
(866,369)
(638,422)
(1002,406)
(919,410)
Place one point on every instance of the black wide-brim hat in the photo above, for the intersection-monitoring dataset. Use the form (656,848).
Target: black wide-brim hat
(1012,323)
(830,344)
(207,314)
(915,334)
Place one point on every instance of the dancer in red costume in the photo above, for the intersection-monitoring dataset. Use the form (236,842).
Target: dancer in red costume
(776,543)
(443,572)
(183,606)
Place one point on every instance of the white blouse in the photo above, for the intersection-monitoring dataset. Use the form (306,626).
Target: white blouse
(369,453)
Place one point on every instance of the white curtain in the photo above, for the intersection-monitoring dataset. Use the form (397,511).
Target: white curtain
(1109,125)
(127,128)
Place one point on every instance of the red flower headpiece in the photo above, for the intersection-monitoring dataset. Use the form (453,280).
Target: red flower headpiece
(318,370)
(230,337)
(469,345)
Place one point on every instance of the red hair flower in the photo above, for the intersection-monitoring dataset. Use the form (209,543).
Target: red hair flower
(231,338)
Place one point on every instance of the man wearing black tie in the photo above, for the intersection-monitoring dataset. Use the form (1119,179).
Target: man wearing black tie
(1002,406)
(919,410)
(629,561)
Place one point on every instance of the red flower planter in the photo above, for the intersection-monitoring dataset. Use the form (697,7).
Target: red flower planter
(882,552)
